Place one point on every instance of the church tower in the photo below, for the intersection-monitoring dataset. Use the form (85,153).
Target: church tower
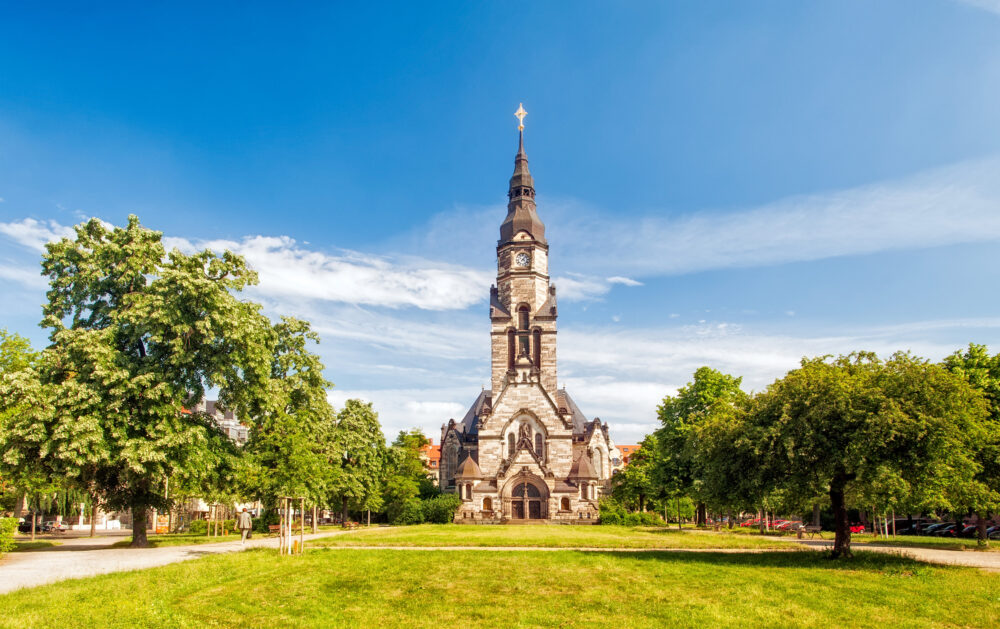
(524,450)
(523,302)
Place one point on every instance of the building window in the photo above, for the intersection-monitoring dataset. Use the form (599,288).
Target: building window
(523,345)
(510,444)
(564,506)
(538,444)
(510,350)
(522,318)
(487,504)
(536,339)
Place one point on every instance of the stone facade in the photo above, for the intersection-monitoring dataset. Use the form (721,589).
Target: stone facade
(524,450)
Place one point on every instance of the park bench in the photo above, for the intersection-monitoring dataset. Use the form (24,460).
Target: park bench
(273,528)
(811,530)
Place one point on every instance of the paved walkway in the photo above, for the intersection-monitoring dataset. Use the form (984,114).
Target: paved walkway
(81,557)
(86,557)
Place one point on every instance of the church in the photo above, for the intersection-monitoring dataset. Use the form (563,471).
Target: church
(524,450)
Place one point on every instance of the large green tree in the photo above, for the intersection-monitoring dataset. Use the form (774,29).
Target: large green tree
(292,423)
(137,335)
(637,482)
(844,425)
(982,495)
(16,356)
(359,453)
(679,458)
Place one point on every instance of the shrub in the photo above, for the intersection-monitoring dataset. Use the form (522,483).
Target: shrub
(611,512)
(410,512)
(7,528)
(197,527)
(269,517)
(441,509)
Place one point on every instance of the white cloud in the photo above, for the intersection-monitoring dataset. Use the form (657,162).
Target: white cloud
(943,206)
(288,270)
(627,281)
(35,234)
(28,278)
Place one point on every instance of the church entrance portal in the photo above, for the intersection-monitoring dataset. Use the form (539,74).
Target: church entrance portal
(526,500)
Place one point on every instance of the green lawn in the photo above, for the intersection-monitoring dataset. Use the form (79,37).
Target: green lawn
(561,536)
(469,588)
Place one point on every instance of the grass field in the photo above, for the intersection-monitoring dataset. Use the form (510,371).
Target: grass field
(183,539)
(560,536)
(389,588)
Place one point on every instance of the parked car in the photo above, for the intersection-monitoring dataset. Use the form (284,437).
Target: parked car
(968,531)
(788,525)
(24,526)
(948,530)
(929,530)
(54,527)
(857,528)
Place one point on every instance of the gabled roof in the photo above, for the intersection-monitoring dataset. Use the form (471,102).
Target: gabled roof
(548,309)
(468,469)
(579,420)
(470,423)
(583,468)
(497,309)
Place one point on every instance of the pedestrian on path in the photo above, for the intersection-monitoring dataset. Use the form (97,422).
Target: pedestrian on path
(244,524)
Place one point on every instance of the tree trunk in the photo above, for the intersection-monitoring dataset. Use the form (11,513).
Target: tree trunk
(700,518)
(762,518)
(678,502)
(815,521)
(93,517)
(139,527)
(642,502)
(981,539)
(842,528)
(343,515)
(315,518)
(34,518)
(729,519)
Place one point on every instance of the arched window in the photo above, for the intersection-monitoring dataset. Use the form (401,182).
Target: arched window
(522,318)
(536,343)
(599,464)
(511,352)
(538,444)
(450,461)
(487,504)
(510,443)
(564,505)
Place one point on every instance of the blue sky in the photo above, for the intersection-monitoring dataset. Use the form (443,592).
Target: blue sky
(723,183)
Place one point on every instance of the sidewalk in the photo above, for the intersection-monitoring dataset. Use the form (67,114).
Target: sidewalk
(85,557)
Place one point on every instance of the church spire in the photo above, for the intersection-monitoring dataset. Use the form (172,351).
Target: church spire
(521,215)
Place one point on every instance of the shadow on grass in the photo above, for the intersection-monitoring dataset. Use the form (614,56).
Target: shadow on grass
(861,561)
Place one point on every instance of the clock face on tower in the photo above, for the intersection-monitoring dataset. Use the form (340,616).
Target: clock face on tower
(522,259)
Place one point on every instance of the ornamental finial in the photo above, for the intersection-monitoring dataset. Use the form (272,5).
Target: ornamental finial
(520,114)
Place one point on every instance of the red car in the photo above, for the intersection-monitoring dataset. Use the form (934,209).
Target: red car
(857,528)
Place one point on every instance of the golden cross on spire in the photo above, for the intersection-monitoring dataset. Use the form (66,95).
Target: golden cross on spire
(520,114)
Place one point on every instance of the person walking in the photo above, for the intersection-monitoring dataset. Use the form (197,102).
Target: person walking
(244,524)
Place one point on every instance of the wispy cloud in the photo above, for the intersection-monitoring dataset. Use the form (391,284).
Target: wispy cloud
(950,205)
(290,270)
(33,234)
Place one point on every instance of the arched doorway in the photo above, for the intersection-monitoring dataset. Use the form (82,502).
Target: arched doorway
(526,502)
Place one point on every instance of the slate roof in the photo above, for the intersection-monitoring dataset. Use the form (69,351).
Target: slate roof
(469,469)
(470,423)
(583,468)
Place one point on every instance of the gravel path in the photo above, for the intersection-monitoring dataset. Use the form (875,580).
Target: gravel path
(85,557)
(81,557)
